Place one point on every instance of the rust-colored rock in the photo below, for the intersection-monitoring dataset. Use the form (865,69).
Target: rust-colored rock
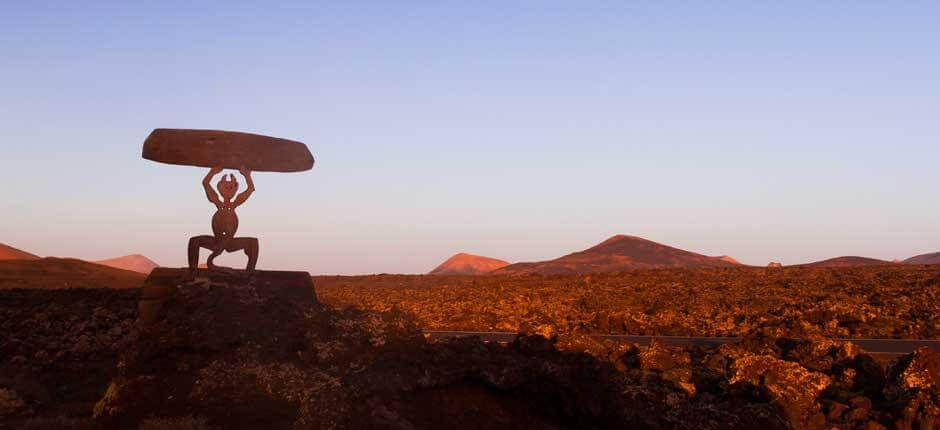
(913,390)
(793,388)
(920,370)
(672,363)
(226,149)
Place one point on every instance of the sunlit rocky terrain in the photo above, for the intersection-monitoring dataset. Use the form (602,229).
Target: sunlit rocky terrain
(351,353)
(890,301)
(228,355)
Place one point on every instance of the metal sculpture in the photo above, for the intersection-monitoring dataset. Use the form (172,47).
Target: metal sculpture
(224,222)
(220,150)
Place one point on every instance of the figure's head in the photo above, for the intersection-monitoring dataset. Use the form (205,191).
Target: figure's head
(227,186)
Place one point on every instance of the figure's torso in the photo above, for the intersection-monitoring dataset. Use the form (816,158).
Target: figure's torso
(224,221)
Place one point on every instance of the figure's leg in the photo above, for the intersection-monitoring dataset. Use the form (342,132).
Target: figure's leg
(215,253)
(252,252)
(249,245)
(195,243)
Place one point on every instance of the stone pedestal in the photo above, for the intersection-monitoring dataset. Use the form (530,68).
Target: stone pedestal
(163,283)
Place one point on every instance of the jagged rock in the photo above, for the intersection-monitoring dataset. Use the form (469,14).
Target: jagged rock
(793,388)
(919,370)
(860,374)
(658,356)
(913,390)
(607,350)
(673,363)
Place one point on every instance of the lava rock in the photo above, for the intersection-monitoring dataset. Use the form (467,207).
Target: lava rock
(792,387)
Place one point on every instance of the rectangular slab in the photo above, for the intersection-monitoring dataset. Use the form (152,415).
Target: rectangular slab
(164,282)
(226,149)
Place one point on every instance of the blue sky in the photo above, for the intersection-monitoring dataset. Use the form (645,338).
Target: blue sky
(519,130)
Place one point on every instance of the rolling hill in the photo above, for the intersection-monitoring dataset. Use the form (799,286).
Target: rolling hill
(135,263)
(848,261)
(468,264)
(932,258)
(10,253)
(57,273)
(620,253)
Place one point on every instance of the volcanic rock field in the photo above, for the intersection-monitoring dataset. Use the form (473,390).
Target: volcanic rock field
(236,356)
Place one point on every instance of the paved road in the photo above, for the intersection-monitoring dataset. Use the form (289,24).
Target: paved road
(874,346)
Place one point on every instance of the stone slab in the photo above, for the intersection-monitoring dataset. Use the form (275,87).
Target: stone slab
(164,282)
(226,149)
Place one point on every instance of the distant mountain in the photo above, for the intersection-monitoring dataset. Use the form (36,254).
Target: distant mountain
(620,253)
(850,261)
(134,262)
(55,273)
(10,253)
(933,258)
(468,264)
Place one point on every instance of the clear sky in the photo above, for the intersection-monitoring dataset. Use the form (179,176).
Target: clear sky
(788,131)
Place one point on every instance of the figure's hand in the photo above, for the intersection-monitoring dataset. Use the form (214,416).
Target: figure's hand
(250,189)
(210,193)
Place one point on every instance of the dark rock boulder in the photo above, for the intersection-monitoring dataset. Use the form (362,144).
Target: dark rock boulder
(913,390)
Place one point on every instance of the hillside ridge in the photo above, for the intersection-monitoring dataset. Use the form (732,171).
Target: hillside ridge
(620,252)
(8,252)
(464,263)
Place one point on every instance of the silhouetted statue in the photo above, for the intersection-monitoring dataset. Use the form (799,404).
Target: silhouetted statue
(220,149)
(224,222)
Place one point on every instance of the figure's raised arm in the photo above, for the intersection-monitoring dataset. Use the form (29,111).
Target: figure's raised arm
(206,183)
(251,187)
